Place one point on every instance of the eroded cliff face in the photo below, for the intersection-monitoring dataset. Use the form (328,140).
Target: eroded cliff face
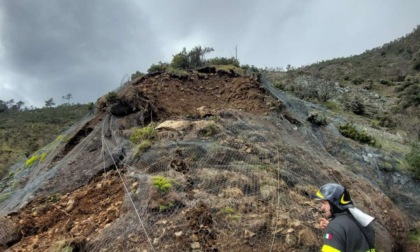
(227,167)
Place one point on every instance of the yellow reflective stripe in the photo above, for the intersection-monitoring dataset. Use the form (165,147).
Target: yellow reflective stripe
(327,248)
(372,250)
(342,201)
(319,194)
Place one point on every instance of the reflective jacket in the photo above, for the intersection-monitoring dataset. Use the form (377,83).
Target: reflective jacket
(343,234)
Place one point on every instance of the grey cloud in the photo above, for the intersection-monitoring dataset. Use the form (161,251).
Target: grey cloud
(51,48)
(65,45)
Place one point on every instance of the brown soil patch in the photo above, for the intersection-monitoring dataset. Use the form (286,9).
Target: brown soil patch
(174,97)
(58,221)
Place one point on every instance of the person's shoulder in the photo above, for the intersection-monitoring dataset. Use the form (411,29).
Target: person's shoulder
(340,221)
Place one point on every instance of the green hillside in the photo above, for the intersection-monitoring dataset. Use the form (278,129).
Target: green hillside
(23,132)
(382,84)
(378,89)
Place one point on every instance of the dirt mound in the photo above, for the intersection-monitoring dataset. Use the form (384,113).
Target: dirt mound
(61,221)
(163,97)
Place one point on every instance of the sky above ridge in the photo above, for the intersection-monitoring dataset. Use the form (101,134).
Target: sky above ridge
(51,48)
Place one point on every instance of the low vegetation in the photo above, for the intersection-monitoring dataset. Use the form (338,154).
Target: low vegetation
(143,146)
(350,131)
(186,61)
(162,184)
(22,132)
(413,159)
(34,158)
(140,134)
(381,84)
(111,97)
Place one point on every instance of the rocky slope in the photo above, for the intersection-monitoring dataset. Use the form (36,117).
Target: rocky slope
(229,164)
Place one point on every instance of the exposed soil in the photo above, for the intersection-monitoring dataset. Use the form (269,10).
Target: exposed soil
(177,97)
(60,222)
(161,97)
(68,220)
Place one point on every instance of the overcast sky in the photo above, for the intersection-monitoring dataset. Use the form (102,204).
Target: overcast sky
(49,48)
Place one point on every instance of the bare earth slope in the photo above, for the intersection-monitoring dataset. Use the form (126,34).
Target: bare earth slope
(229,169)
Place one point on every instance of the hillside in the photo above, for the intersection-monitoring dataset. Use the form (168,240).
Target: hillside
(392,62)
(211,161)
(24,132)
(382,84)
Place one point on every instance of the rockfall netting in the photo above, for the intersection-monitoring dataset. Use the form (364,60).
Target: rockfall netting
(234,182)
(231,182)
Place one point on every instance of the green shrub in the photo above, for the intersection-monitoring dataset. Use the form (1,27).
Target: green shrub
(15,184)
(416,65)
(162,184)
(414,235)
(413,159)
(387,121)
(5,196)
(350,131)
(90,106)
(144,145)
(223,61)
(32,160)
(163,207)
(140,134)
(177,72)
(62,246)
(42,157)
(189,59)
(180,60)
(157,68)
(279,84)
(111,97)
(137,74)
(230,213)
(54,198)
(227,210)
(332,105)
(35,158)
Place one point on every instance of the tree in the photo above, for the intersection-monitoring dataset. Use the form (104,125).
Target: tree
(49,103)
(192,59)
(197,54)
(3,106)
(180,60)
(18,106)
(69,96)
(10,103)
